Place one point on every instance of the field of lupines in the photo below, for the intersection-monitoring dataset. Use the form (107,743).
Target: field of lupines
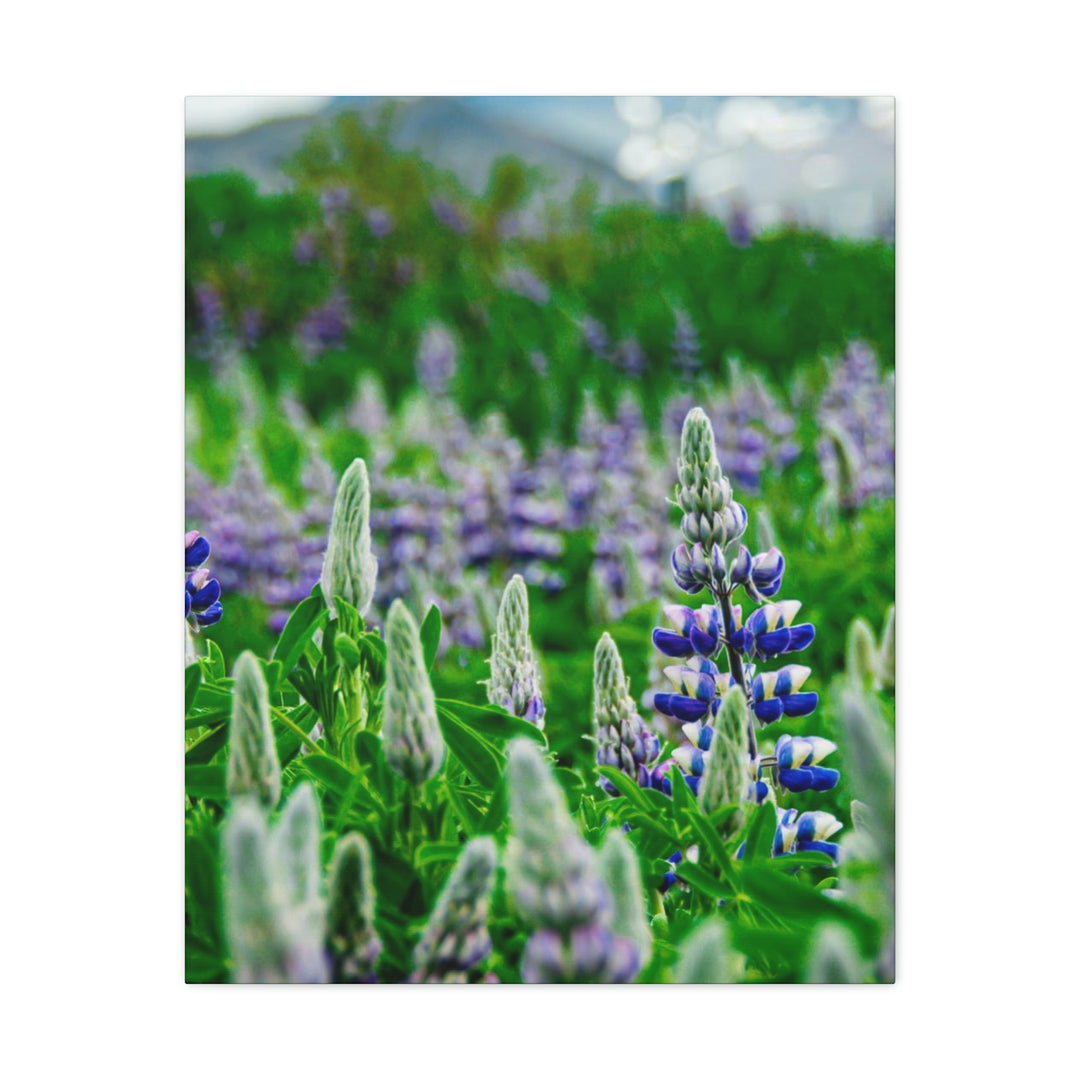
(539,587)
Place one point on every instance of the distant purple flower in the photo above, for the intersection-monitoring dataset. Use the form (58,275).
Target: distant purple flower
(380,222)
(306,248)
(450,215)
(326,326)
(521,280)
(210,309)
(335,199)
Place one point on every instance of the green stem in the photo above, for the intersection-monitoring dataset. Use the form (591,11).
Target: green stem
(735,664)
(299,732)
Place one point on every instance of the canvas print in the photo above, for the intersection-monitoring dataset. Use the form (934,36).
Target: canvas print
(540,540)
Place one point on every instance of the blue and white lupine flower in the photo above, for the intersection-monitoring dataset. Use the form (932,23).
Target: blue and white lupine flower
(712,524)
(202,593)
(770,631)
(797,760)
(777,693)
(761,575)
(809,831)
(623,740)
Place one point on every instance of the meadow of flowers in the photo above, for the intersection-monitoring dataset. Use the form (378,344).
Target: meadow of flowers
(539,586)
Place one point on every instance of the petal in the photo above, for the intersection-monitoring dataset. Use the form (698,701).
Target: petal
(210,616)
(197,554)
(671,644)
(769,711)
(800,704)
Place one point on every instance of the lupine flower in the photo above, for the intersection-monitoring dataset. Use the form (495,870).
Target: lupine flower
(761,575)
(596,338)
(273,912)
(326,326)
(253,767)
(809,831)
(833,956)
(797,758)
(456,943)
(769,631)
(857,454)
(776,694)
(622,739)
(257,942)
(515,679)
(379,222)
(202,593)
(706,956)
(554,878)
(350,568)
(719,710)
(297,870)
(724,781)
(436,359)
(412,738)
(351,938)
(619,868)
(450,215)
(521,280)
(685,346)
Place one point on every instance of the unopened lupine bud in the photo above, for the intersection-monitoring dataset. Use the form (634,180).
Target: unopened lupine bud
(253,766)
(622,739)
(412,738)
(710,517)
(349,567)
(726,768)
(833,956)
(456,941)
(862,654)
(515,680)
(257,943)
(620,869)
(707,956)
(351,938)
(297,872)
(554,878)
(887,653)
(869,757)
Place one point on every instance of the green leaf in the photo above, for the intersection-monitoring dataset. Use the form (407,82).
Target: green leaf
(761,834)
(482,760)
(200,752)
(348,650)
(306,618)
(373,649)
(192,676)
(789,898)
(493,723)
(430,633)
(205,782)
(214,661)
(686,806)
(625,786)
(328,771)
(436,852)
(700,879)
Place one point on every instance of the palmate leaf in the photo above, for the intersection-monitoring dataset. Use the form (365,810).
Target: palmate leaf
(482,759)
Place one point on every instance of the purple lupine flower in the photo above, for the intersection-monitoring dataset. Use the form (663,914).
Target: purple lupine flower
(436,359)
(210,309)
(450,214)
(326,326)
(685,348)
(379,222)
(857,453)
(306,248)
(521,280)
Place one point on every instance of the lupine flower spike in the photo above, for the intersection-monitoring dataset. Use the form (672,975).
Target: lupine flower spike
(622,739)
(412,738)
(721,765)
(349,567)
(555,881)
(351,938)
(253,767)
(515,679)
(456,942)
